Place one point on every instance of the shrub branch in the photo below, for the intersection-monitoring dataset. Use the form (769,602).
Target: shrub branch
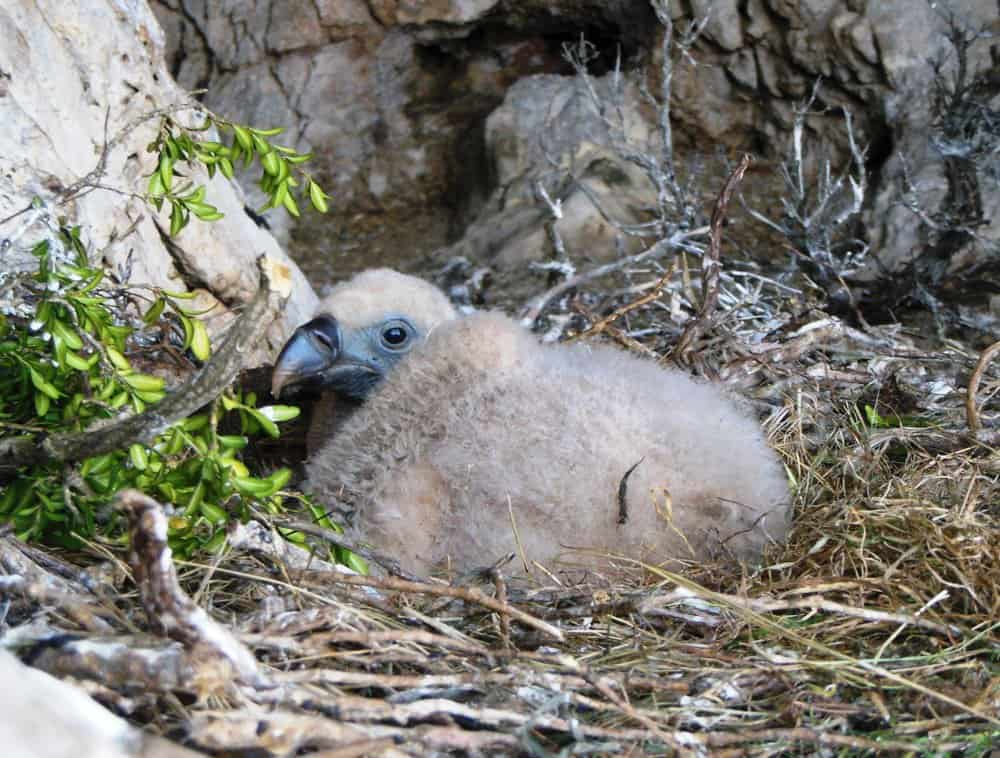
(118,433)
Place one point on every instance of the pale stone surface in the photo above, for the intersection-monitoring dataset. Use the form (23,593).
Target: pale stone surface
(548,127)
(76,77)
(724,25)
(44,717)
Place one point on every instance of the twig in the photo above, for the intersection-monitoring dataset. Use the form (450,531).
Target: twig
(469,594)
(533,309)
(170,611)
(655,292)
(710,266)
(971,414)
(117,433)
(501,588)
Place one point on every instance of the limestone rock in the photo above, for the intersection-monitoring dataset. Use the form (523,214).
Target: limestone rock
(575,141)
(44,717)
(394,95)
(81,77)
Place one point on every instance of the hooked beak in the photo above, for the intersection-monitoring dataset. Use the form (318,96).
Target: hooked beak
(313,348)
(316,358)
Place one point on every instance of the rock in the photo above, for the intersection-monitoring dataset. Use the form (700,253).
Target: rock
(84,76)
(725,25)
(44,717)
(391,12)
(909,38)
(394,95)
(509,232)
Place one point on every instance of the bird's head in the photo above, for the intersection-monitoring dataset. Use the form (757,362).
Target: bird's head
(364,327)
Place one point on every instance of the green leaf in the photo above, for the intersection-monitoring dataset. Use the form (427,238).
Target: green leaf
(269,427)
(226,167)
(42,404)
(243,138)
(355,561)
(155,311)
(271,163)
(144,382)
(43,386)
(178,217)
(272,132)
(117,359)
(252,486)
(317,197)
(139,457)
(166,170)
(213,513)
(201,346)
(279,413)
(75,361)
(232,441)
(290,206)
(280,478)
(150,397)
(155,187)
(262,146)
(204,211)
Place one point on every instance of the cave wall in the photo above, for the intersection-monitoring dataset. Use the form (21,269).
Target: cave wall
(393,95)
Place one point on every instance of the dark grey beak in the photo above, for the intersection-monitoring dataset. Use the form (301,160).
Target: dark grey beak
(313,349)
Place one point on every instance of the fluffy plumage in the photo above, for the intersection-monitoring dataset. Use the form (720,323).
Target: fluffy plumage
(480,428)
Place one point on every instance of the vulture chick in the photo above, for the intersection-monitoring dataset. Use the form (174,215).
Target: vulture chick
(473,441)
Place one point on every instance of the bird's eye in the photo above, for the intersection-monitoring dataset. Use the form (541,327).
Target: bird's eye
(397,335)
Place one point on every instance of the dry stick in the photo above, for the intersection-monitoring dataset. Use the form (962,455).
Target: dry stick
(654,294)
(754,617)
(501,589)
(469,594)
(627,708)
(533,309)
(814,602)
(171,612)
(372,556)
(971,414)
(118,433)
(711,267)
(801,734)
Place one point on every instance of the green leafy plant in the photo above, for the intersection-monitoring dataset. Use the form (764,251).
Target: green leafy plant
(280,166)
(73,364)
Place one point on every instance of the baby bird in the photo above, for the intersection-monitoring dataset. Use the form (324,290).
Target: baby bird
(474,441)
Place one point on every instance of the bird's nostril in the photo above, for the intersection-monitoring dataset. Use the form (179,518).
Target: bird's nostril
(324,339)
(324,330)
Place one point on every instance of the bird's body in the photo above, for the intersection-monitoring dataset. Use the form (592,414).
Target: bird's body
(483,442)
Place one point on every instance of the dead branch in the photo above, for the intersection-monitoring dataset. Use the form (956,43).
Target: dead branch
(170,611)
(710,267)
(656,603)
(72,595)
(680,239)
(971,414)
(468,594)
(118,433)
(123,663)
(286,733)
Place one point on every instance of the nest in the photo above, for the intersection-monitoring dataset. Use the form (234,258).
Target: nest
(872,629)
